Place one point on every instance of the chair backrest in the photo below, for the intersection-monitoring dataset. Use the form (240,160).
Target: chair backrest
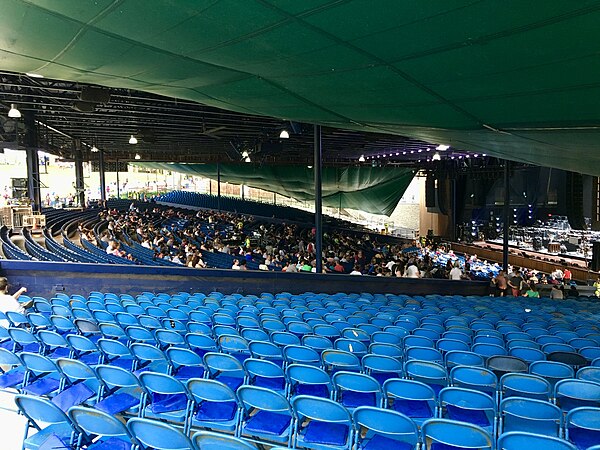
(525,385)
(207,440)
(321,409)
(463,358)
(570,394)
(519,440)
(582,426)
(40,410)
(386,423)
(433,374)
(114,376)
(222,363)
(552,371)
(334,360)
(263,399)
(589,374)
(152,434)
(98,423)
(477,378)
(203,389)
(530,415)
(457,434)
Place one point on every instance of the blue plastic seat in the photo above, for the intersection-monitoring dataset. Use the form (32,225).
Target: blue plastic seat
(529,415)
(24,341)
(184,363)
(353,346)
(297,354)
(120,392)
(317,343)
(525,385)
(224,368)
(12,369)
(54,345)
(570,394)
(520,440)
(321,423)
(417,341)
(582,427)
(266,415)
(443,434)
(467,405)
(283,338)
(140,334)
(149,358)
(84,349)
(42,376)
(265,374)
(382,367)
(487,350)
(308,380)
(234,345)
(166,398)
(463,358)
(424,354)
(113,331)
(266,350)
(206,440)
(476,378)
(527,354)
(384,429)
(336,360)
(155,435)
(430,373)
(412,398)
(201,343)
(589,374)
(215,405)
(392,350)
(100,431)
(551,371)
(356,389)
(385,337)
(79,384)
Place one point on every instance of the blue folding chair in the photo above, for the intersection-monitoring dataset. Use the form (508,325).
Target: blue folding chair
(116,353)
(156,435)
(99,430)
(524,385)
(589,374)
(283,338)
(266,350)
(551,371)
(305,379)
(42,376)
(215,406)
(12,371)
(335,360)
(321,423)
(169,338)
(120,392)
(467,405)
(234,345)
(582,427)
(353,346)
(476,378)
(206,440)
(317,343)
(353,389)
(184,363)
(165,398)
(297,354)
(266,415)
(430,373)
(381,428)
(79,384)
(381,367)
(527,354)
(412,398)
(149,358)
(224,368)
(265,374)
(450,434)
(519,440)
(25,341)
(387,350)
(529,415)
(84,349)
(201,343)
(570,394)
(140,334)
(424,354)
(54,345)
(59,432)
(463,358)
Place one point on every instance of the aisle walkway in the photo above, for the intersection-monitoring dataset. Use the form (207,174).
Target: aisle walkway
(12,425)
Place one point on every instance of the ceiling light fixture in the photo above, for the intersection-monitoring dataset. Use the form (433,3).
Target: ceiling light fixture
(247,159)
(34,75)
(436,157)
(94,149)
(362,158)
(442,147)
(244,154)
(310,167)
(284,134)
(14,113)
(137,156)
(133,140)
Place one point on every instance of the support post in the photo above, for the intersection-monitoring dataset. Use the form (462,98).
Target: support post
(33,163)
(219,186)
(275,198)
(243,195)
(119,184)
(79,181)
(506,214)
(102,171)
(318,160)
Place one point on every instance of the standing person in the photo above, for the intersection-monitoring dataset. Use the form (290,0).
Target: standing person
(516,282)
(501,283)
(455,273)
(597,286)
(9,302)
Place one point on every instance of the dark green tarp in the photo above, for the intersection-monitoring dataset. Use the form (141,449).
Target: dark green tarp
(512,78)
(374,190)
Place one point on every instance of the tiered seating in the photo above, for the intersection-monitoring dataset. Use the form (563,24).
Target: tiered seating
(310,370)
(10,250)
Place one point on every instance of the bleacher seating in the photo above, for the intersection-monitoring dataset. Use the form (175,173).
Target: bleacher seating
(247,367)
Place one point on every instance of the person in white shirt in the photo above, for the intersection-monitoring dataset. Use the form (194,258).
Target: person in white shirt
(9,302)
(412,271)
(455,273)
(356,270)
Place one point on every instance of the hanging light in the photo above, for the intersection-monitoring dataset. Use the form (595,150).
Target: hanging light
(137,156)
(14,113)
(133,140)
(244,154)
(94,149)
(362,158)
(247,159)
(436,157)
(310,167)
(34,75)
(442,147)
(284,134)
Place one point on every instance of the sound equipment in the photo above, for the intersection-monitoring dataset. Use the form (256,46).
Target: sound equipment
(430,191)
(595,262)
(94,94)
(574,200)
(554,247)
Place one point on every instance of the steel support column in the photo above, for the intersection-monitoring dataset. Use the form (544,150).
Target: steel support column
(219,186)
(102,172)
(506,216)
(318,161)
(79,181)
(33,163)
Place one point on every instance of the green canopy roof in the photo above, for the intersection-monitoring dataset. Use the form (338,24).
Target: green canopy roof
(515,79)
(374,190)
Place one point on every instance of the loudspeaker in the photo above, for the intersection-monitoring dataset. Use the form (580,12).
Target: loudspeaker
(19,183)
(595,262)
(574,203)
(430,192)
(94,94)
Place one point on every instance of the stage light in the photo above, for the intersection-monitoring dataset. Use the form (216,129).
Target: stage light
(34,75)
(133,140)
(14,113)
(94,149)
(137,156)
(404,153)
(244,154)
(442,147)
(284,134)
(247,159)
(362,158)
(310,167)
(436,156)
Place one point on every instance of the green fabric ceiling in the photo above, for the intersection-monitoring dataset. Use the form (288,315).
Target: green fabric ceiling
(374,190)
(516,79)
